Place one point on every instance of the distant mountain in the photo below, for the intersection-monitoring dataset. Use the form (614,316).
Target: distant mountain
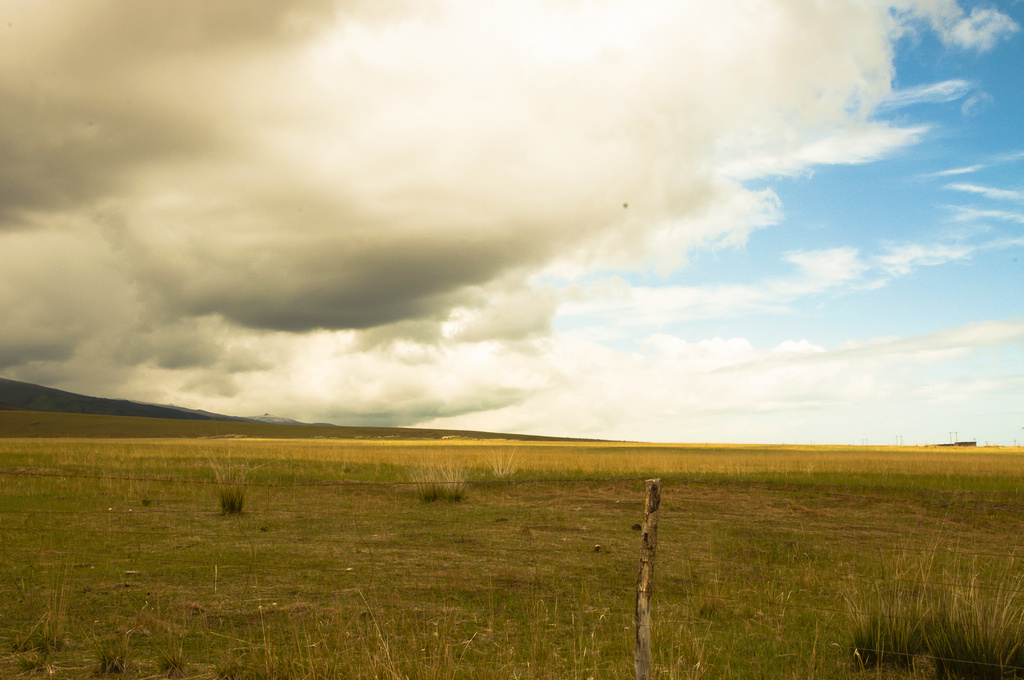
(68,414)
(277,420)
(23,423)
(16,395)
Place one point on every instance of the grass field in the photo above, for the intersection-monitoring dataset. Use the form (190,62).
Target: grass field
(117,557)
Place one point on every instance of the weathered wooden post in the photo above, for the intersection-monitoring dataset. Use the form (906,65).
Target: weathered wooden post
(648,546)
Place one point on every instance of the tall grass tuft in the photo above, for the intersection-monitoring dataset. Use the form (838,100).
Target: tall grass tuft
(503,463)
(889,617)
(231,668)
(114,654)
(968,624)
(232,499)
(37,662)
(171,660)
(231,488)
(50,632)
(977,629)
(447,482)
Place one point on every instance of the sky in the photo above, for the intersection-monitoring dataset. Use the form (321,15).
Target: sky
(763,221)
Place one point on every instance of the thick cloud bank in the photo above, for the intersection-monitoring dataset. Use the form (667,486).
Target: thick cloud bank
(374,210)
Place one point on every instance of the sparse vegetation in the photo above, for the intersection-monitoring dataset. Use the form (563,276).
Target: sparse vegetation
(335,571)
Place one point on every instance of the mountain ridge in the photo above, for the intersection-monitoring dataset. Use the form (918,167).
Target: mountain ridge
(30,410)
(32,397)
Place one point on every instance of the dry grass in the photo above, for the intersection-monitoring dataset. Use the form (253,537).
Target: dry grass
(944,466)
(440,482)
(334,572)
(503,462)
(114,654)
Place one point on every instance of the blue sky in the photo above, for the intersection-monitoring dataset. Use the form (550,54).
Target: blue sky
(742,221)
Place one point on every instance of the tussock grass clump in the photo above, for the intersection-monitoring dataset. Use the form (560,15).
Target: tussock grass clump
(231,668)
(114,654)
(969,625)
(50,634)
(171,661)
(36,662)
(977,628)
(889,617)
(503,463)
(232,499)
(447,482)
(231,489)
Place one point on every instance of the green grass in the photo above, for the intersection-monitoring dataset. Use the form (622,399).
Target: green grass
(337,569)
(953,617)
(889,615)
(231,489)
(976,629)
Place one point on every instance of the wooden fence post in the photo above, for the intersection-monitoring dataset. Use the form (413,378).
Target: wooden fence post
(648,546)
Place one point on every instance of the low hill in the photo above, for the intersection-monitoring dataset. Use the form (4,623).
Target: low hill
(29,410)
(16,394)
(35,424)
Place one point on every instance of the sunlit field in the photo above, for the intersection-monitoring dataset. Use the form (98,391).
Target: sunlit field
(374,460)
(260,558)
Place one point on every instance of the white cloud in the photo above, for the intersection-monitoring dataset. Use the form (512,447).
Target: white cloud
(990,192)
(843,270)
(965,214)
(959,171)
(461,145)
(682,391)
(901,259)
(980,30)
(976,103)
(824,269)
(862,143)
(945,91)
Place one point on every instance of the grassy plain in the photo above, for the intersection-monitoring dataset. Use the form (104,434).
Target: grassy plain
(115,555)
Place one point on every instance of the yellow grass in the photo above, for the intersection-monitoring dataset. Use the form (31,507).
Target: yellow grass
(532,458)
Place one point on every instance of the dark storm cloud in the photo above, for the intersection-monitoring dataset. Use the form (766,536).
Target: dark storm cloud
(90,93)
(332,284)
(14,354)
(57,155)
